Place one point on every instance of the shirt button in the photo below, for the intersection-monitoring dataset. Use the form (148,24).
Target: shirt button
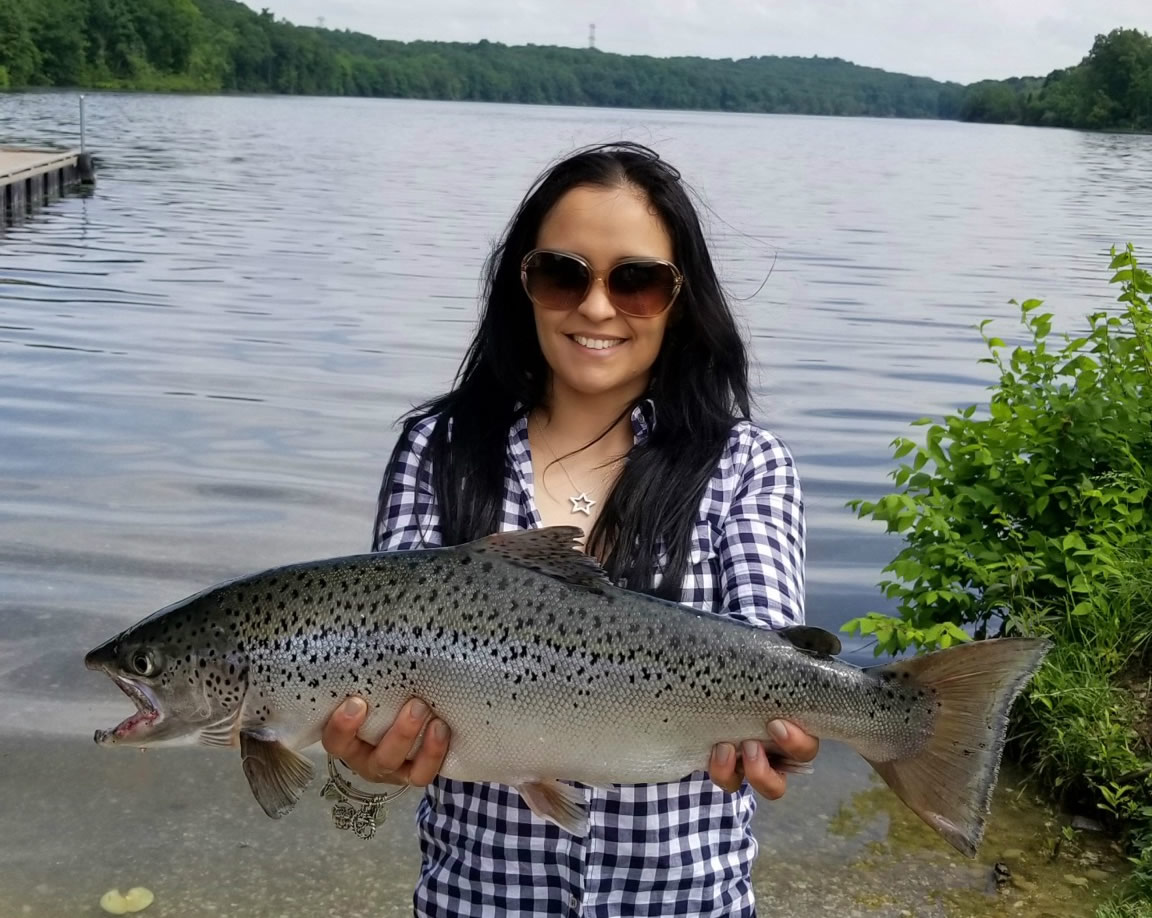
(574,903)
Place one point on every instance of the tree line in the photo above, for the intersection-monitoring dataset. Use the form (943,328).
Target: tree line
(223,45)
(1110,89)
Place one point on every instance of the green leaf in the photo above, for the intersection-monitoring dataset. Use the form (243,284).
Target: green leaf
(904,448)
(1074,541)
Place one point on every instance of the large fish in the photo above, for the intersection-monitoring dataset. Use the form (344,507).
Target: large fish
(547,673)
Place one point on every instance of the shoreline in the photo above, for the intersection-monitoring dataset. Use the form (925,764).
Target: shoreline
(181,822)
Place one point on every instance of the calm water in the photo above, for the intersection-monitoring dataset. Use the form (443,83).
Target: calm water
(201,362)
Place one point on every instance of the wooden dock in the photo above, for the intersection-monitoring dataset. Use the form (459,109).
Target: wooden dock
(29,178)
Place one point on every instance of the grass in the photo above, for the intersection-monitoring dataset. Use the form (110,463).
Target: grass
(1085,726)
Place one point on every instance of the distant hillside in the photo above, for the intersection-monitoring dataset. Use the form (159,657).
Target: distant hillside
(215,45)
(223,45)
(1111,88)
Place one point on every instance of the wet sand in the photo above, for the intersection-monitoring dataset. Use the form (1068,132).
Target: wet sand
(78,820)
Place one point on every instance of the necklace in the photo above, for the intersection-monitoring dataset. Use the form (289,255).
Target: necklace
(581,502)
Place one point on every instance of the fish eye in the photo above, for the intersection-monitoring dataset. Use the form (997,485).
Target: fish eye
(144,664)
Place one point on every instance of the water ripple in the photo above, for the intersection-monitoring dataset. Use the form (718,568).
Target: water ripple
(203,357)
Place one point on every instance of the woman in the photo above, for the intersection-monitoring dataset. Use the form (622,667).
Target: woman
(606,386)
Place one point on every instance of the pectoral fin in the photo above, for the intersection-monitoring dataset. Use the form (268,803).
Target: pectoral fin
(558,803)
(220,734)
(276,774)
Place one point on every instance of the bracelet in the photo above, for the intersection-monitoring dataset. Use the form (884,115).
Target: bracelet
(362,821)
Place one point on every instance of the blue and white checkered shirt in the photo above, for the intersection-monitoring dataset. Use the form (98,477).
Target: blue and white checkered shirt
(652,849)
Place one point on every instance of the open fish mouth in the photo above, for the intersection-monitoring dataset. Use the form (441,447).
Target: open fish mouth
(147,714)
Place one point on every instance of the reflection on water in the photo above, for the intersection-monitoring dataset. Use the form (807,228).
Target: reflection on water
(201,361)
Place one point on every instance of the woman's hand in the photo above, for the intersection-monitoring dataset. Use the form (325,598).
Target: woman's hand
(727,769)
(387,761)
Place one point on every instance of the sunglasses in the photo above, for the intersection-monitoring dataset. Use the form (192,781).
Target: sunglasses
(642,287)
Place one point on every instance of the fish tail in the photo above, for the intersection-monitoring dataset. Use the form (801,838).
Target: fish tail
(949,782)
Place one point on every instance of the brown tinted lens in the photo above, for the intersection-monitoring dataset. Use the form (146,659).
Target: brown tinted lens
(642,288)
(556,281)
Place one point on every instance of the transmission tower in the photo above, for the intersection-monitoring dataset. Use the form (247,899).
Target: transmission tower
(592,35)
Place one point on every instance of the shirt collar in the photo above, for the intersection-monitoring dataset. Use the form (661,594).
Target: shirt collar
(643,419)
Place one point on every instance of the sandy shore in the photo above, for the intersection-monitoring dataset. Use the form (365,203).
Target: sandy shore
(77,820)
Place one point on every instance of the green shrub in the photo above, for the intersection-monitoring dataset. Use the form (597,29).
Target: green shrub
(1033,517)
(1032,503)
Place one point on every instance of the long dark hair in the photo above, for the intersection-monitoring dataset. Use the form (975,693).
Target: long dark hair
(698,385)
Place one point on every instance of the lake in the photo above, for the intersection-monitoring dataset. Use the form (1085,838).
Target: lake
(202,360)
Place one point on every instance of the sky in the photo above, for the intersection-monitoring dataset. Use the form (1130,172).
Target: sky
(962,40)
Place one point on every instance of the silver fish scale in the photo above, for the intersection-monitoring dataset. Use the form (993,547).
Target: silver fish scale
(536,678)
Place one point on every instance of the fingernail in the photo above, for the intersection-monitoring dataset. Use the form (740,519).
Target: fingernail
(751,750)
(724,753)
(779,730)
(352,707)
(418,710)
(440,730)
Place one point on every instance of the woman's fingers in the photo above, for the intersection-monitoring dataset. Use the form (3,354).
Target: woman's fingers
(430,759)
(729,767)
(724,768)
(793,742)
(759,773)
(388,760)
(391,752)
(339,735)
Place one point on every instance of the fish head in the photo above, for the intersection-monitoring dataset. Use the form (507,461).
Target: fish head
(182,674)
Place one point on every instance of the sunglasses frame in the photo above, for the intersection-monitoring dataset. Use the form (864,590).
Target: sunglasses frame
(594,276)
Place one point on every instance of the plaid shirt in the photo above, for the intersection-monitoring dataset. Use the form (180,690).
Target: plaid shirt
(684,848)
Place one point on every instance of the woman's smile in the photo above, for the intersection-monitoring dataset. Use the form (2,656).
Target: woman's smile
(597,343)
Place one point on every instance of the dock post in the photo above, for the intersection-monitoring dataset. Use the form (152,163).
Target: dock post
(84,162)
(17,206)
(87,169)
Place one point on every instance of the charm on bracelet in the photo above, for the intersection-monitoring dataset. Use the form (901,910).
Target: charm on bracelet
(362,819)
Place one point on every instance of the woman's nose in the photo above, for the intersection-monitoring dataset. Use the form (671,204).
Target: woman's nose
(596,305)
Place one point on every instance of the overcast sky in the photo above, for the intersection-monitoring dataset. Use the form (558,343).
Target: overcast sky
(962,40)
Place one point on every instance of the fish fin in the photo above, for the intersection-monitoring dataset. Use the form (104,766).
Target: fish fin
(814,641)
(790,766)
(553,551)
(949,782)
(276,774)
(223,732)
(557,803)
(220,734)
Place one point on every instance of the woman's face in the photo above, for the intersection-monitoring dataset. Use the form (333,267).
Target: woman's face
(593,350)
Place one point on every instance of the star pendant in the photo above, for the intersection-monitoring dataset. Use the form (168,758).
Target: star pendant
(582,503)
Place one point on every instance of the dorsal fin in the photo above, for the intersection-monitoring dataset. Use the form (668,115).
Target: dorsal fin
(553,551)
(814,641)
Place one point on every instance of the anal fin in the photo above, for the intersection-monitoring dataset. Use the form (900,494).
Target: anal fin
(276,774)
(558,803)
(790,766)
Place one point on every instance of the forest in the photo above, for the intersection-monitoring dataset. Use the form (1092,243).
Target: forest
(1110,89)
(225,46)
